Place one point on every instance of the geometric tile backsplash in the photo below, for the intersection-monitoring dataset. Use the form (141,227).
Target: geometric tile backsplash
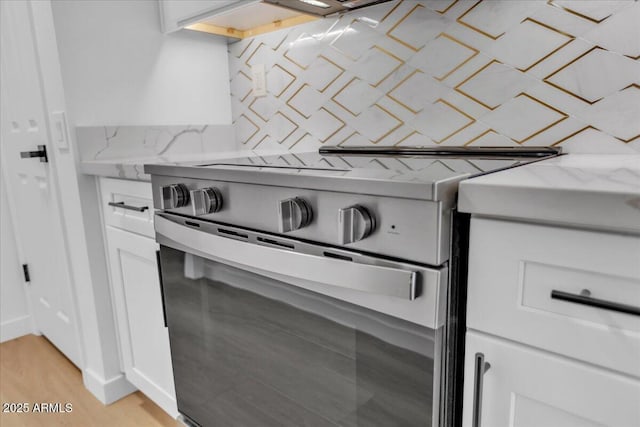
(447,72)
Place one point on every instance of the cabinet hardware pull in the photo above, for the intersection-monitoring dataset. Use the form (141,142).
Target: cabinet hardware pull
(585,299)
(480,368)
(128,207)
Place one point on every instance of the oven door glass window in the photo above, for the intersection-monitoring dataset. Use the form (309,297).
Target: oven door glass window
(253,351)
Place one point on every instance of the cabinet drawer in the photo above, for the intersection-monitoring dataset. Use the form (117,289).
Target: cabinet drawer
(513,269)
(128,205)
(525,387)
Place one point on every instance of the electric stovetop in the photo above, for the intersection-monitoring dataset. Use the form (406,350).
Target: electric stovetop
(422,172)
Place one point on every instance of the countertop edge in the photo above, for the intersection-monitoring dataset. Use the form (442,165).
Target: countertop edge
(531,194)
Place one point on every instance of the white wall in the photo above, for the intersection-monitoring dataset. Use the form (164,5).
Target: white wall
(119,69)
(14,311)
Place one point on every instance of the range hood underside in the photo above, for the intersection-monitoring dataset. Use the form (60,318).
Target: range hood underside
(324,7)
(249,18)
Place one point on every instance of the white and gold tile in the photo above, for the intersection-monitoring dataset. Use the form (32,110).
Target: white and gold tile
(322,73)
(375,123)
(278,80)
(418,26)
(494,84)
(617,115)
(417,90)
(246,129)
(583,77)
(304,50)
(264,107)
(591,140)
(356,39)
(493,18)
(323,125)
(528,44)
(450,72)
(559,19)
(440,121)
(619,33)
(306,101)
(591,10)
(357,96)
(375,65)
(281,127)
(241,85)
(442,56)
(523,117)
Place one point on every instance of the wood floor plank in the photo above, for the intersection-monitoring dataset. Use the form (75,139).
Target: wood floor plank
(32,370)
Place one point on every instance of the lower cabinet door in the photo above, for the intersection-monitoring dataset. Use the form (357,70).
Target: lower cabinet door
(526,387)
(144,340)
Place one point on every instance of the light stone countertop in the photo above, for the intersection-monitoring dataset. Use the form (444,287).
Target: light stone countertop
(133,168)
(122,151)
(584,190)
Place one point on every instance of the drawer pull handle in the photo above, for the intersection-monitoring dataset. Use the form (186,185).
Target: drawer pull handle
(480,368)
(128,207)
(584,298)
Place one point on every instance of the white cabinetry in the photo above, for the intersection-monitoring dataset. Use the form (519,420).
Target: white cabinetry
(176,13)
(526,387)
(233,19)
(553,362)
(144,340)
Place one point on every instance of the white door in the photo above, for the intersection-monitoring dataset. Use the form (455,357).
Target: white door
(30,182)
(144,340)
(526,387)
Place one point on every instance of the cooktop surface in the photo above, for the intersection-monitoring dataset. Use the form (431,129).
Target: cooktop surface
(387,170)
(427,166)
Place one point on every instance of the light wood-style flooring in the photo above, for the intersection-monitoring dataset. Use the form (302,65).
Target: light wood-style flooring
(32,370)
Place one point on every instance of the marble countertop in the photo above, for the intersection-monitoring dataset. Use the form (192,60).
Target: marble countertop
(585,190)
(133,168)
(122,151)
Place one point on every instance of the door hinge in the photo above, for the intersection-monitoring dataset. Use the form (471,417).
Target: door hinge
(25,271)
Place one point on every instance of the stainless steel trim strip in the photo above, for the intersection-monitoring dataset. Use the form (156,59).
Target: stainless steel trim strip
(458,152)
(375,279)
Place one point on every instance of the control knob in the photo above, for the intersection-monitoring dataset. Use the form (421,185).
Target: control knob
(355,223)
(174,196)
(206,200)
(294,214)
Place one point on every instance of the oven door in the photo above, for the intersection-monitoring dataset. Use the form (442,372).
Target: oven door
(270,331)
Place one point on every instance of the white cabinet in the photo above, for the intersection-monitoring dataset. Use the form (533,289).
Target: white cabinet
(554,312)
(127,205)
(514,268)
(175,14)
(233,19)
(135,285)
(526,387)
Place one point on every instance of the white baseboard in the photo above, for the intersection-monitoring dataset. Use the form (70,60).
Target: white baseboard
(15,328)
(107,391)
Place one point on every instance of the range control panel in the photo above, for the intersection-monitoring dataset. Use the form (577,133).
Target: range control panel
(396,227)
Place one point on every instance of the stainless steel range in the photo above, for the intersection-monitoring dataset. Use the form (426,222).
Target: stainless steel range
(319,289)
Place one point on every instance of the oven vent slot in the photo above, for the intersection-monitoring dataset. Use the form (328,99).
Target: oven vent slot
(192,224)
(233,234)
(337,256)
(275,243)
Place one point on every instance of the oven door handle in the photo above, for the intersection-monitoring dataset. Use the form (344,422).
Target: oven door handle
(375,279)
